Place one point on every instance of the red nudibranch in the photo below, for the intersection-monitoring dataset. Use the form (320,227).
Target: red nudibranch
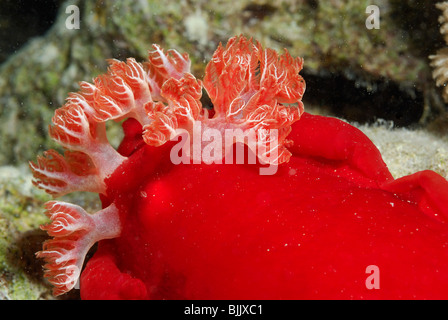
(201,228)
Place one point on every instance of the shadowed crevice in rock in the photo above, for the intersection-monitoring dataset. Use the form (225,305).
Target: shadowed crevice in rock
(364,101)
(22,20)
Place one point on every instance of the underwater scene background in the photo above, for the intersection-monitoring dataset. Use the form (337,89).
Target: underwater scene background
(380,68)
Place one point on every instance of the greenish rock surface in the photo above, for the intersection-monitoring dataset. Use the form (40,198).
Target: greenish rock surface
(20,216)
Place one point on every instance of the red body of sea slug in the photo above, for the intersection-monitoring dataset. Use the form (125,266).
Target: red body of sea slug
(327,221)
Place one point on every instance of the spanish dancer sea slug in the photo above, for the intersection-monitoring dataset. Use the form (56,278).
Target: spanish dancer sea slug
(183,219)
